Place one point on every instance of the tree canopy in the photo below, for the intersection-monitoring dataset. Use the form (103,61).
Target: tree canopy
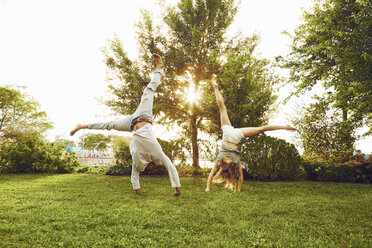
(97,141)
(322,133)
(192,40)
(20,111)
(333,46)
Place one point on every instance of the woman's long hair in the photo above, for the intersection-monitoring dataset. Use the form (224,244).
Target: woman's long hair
(227,173)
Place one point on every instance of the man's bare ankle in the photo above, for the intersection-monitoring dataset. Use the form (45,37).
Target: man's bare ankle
(178,191)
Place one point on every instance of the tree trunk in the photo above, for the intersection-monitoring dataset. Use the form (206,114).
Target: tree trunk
(194,143)
(2,122)
(344,114)
(194,131)
(347,133)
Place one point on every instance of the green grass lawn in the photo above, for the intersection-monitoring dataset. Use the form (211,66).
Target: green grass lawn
(77,210)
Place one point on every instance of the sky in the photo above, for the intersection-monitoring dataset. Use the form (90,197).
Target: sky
(54,48)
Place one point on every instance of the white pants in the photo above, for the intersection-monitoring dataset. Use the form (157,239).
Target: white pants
(144,108)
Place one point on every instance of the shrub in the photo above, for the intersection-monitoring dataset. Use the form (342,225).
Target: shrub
(269,158)
(4,158)
(123,164)
(68,164)
(119,170)
(173,149)
(36,155)
(87,169)
(348,168)
(158,170)
(188,170)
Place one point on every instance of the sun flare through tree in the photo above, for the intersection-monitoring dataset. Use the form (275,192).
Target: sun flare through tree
(191,93)
(192,42)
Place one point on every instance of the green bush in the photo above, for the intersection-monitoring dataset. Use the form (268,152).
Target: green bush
(36,155)
(87,169)
(173,149)
(269,158)
(158,170)
(119,170)
(348,168)
(188,171)
(123,164)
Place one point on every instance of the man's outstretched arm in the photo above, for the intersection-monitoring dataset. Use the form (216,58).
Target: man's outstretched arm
(134,179)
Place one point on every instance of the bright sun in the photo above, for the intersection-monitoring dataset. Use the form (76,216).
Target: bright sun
(191,94)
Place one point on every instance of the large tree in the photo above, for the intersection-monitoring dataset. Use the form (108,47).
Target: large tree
(96,141)
(192,40)
(321,133)
(333,47)
(22,112)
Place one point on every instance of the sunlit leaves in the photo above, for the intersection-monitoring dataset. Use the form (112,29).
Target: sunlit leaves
(20,111)
(333,47)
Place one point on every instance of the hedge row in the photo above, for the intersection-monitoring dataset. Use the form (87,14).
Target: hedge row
(35,155)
